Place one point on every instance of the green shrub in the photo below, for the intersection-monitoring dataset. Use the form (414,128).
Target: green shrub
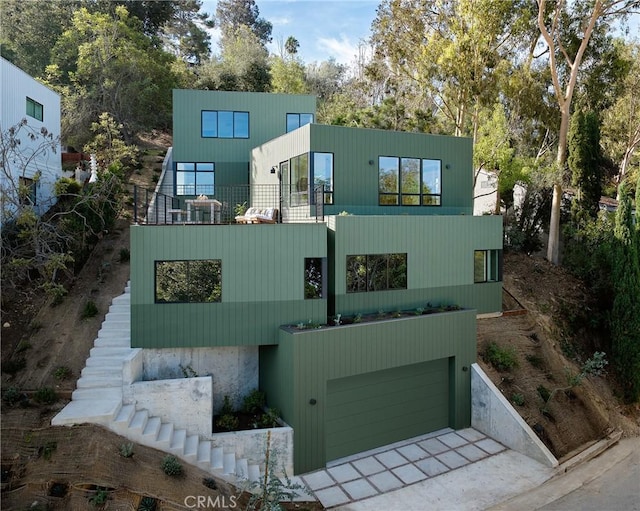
(536,361)
(48,450)
(100,497)
(517,399)
(23,346)
(90,310)
(228,422)
(503,359)
(62,373)
(147,504)
(45,395)
(171,466)
(227,408)
(12,396)
(254,402)
(544,392)
(126,450)
(270,418)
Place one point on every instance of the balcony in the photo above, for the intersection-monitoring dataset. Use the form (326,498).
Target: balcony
(222,204)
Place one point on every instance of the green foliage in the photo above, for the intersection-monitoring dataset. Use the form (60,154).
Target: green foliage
(171,466)
(12,396)
(126,450)
(536,361)
(254,402)
(227,422)
(90,310)
(270,418)
(502,358)
(544,393)
(45,395)
(517,399)
(147,504)
(100,497)
(62,373)
(227,407)
(48,449)
(188,371)
(125,255)
(66,187)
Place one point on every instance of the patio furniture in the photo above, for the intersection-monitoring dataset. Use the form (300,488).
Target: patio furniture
(258,216)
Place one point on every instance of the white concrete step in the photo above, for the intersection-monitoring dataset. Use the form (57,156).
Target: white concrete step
(242,469)
(151,430)
(103,370)
(99,382)
(117,315)
(99,352)
(177,441)
(105,361)
(137,424)
(92,411)
(190,452)
(163,441)
(253,473)
(123,419)
(229,463)
(110,393)
(115,326)
(204,454)
(115,341)
(217,458)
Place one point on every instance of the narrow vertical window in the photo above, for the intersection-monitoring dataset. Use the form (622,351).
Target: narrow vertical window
(487,266)
(323,174)
(388,180)
(313,278)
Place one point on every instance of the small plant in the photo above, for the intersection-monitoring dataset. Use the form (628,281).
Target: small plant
(126,450)
(210,483)
(503,359)
(23,346)
(125,255)
(270,418)
(544,393)
(56,292)
(228,422)
(48,450)
(100,497)
(357,318)
(535,361)
(171,466)
(90,310)
(240,209)
(45,395)
(518,399)
(12,396)
(227,408)
(147,504)
(419,311)
(337,319)
(62,373)
(188,371)
(254,402)
(397,314)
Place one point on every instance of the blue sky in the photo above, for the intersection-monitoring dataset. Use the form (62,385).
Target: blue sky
(324,29)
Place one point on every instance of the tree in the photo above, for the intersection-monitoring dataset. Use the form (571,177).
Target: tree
(105,64)
(585,163)
(625,316)
(232,14)
(287,70)
(567,35)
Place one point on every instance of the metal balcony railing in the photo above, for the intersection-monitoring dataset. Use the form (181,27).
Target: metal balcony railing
(224,203)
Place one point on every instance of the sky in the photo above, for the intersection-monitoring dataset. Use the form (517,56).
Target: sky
(324,29)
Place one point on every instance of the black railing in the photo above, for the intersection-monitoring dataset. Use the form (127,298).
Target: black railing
(226,203)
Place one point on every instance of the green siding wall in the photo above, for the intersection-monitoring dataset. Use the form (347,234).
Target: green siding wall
(439,260)
(316,356)
(262,283)
(267,120)
(356,153)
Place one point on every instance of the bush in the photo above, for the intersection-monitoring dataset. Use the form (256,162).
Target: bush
(62,373)
(227,408)
(503,359)
(517,399)
(270,418)
(90,310)
(126,450)
(147,504)
(544,392)
(12,396)
(45,395)
(228,422)
(171,466)
(254,402)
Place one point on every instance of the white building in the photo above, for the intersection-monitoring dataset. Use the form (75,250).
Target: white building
(485,193)
(35,162)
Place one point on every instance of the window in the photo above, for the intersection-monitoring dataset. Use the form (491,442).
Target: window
(299,168)
(294,121)
(313,278)
(195,178)
(487,266)
(35,109)
(189,281)
(323,174)
(409,181)
(377,272)
(27,191)
(225,124)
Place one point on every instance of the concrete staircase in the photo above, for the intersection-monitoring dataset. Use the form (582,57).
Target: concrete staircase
(98,399)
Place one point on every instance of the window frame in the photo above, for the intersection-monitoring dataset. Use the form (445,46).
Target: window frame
(190,282)
(195,184)
(328,192)
(30,198)
(403,196)
(299,120)
(369,261)
(235,124)
(491,266)
(33,108)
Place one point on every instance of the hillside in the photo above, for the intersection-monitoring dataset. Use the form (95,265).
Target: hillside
(65,466)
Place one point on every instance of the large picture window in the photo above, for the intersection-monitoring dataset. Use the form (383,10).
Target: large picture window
(487,266)
(188,281)
(409,181)
(195,178)
(225,124)
(294,121)
(376,272)
(35,109)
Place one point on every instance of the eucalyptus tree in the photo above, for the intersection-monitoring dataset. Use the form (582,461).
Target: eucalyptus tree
(452,52)
(567,29)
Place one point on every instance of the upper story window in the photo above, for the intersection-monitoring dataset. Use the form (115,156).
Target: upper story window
(225,124)
(35,109)
(377,272)
(322,172)
(409,181)
(294,121)
(195,178)
(487,266)
(188,281)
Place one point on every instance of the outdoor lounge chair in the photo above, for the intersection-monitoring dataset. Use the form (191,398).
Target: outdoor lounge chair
(258,216)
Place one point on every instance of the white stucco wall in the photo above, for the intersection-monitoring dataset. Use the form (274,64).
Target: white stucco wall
(234,370)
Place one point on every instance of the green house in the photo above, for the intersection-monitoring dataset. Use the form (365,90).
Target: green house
(354,304)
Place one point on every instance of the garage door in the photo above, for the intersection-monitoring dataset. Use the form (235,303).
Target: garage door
(382,407)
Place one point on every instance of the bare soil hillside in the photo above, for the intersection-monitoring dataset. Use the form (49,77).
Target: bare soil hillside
(63,468)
